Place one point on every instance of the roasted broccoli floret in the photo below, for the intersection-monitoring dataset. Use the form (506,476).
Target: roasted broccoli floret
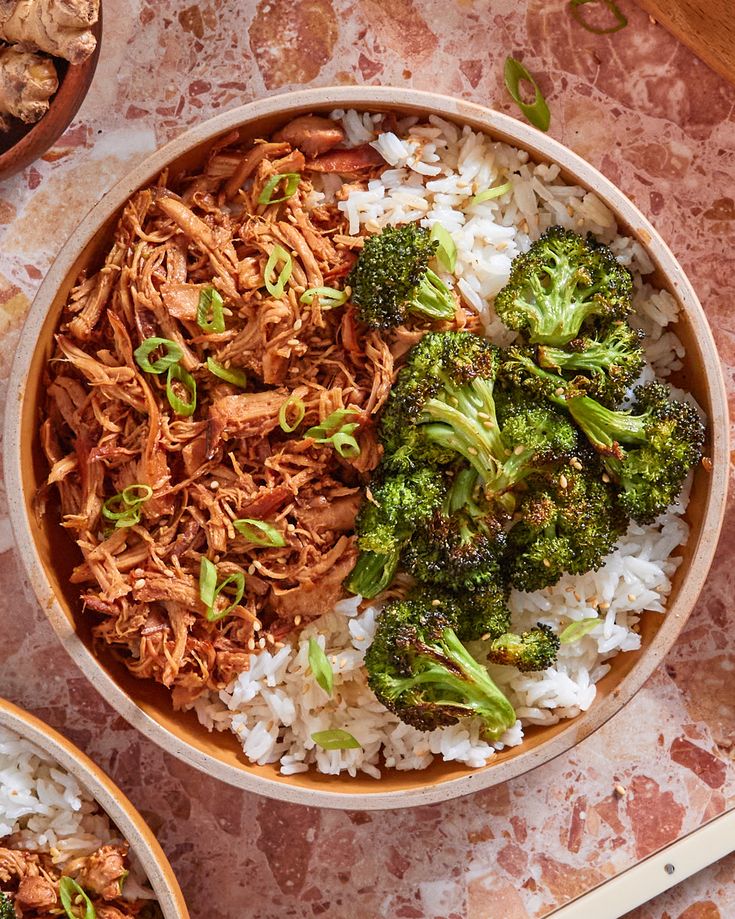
(532,650)
(445,396)
(484,613)
(611,360)
(649,451)
(569,521)
(562,281)
(392,278)
(7,910)
(461,545)
(420,670)
(386,521)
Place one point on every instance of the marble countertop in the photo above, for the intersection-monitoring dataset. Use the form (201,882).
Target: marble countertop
(661,125)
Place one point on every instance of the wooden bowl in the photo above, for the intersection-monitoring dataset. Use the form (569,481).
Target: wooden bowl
(49,555)
(24,143)
(122,813)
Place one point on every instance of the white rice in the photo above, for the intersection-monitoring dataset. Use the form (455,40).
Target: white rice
(44,809)
(276,706)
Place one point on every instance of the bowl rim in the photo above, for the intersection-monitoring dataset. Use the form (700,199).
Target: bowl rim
(111,799)
(540,146)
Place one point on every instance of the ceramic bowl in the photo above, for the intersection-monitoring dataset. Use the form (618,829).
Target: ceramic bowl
(24,143)
(126,818)
(49,555)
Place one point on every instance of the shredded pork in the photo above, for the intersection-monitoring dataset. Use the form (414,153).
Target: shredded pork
(108,424)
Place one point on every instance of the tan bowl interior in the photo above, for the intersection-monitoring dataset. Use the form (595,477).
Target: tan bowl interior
(220,753)
(127,819)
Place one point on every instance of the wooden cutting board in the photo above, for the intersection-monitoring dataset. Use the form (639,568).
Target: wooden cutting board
(706,26)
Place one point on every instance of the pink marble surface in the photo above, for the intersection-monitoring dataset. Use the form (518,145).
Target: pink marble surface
(660,124)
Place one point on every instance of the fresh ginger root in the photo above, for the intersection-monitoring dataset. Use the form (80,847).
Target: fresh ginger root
(27,82)
(58,27)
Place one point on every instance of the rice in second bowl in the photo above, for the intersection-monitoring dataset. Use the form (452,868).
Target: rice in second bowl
(276,706)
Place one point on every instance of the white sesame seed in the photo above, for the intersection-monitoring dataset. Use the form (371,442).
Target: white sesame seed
(251,644)
(563,481)
(620,791)
(297,620)
(547,563)
(257,625)
(214,484)
(261,643)
(605,477)
(139,583)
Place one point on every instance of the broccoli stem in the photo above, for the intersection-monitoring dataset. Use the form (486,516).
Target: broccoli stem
(433,298)
(372,573)
(605,427)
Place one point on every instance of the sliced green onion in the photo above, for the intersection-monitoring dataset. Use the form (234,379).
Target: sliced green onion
(259,532)
(295,403)
(491,193)
(171,356)
(333,431)
(335,740)
(207,582)
(345,444)
(446,251)
(576,630)
(237,377)
(537,112)
(320,666)
(72,895)
(131,495)
(278,254)
(238,580)
(621,23)
(291,183)
(124,507)
(210,301)
(329,297)
(176,373)
(121,881)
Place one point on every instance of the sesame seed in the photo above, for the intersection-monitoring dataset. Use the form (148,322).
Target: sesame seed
(251,644)
(168,573)
(519,449)
(270,639)
(297,325)
(139,583)
(291,528)
(488,425)
(214,484)
(547,563)
(604,605)
(278,645)
(257,625)
(436,602)
(251,568)
(631,598)
(620,791)
(559,391)
(261,643)
(485,636)
(563,482)
(297,620)
(472,451)
(605,477)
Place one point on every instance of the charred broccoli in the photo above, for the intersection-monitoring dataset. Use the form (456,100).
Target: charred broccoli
(420,670)
(392,278)
(612,361)
(562,281)
(444,397)
(384,524)
(532,650)
(7,910)
(569,521)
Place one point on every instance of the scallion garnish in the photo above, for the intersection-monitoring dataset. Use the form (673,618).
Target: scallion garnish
(238,581)
(621,23)
(124,507)
(177,374)
(333,431)
(236,377)
(207,582)
(537,111)
(172,354)
(293,402)
(576,630)
(320,666)
(259,532)
(211,303)
(490,193)
(291,183)
(446,251)
(72,895)
(328,297)
(278,255)
(335,739)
